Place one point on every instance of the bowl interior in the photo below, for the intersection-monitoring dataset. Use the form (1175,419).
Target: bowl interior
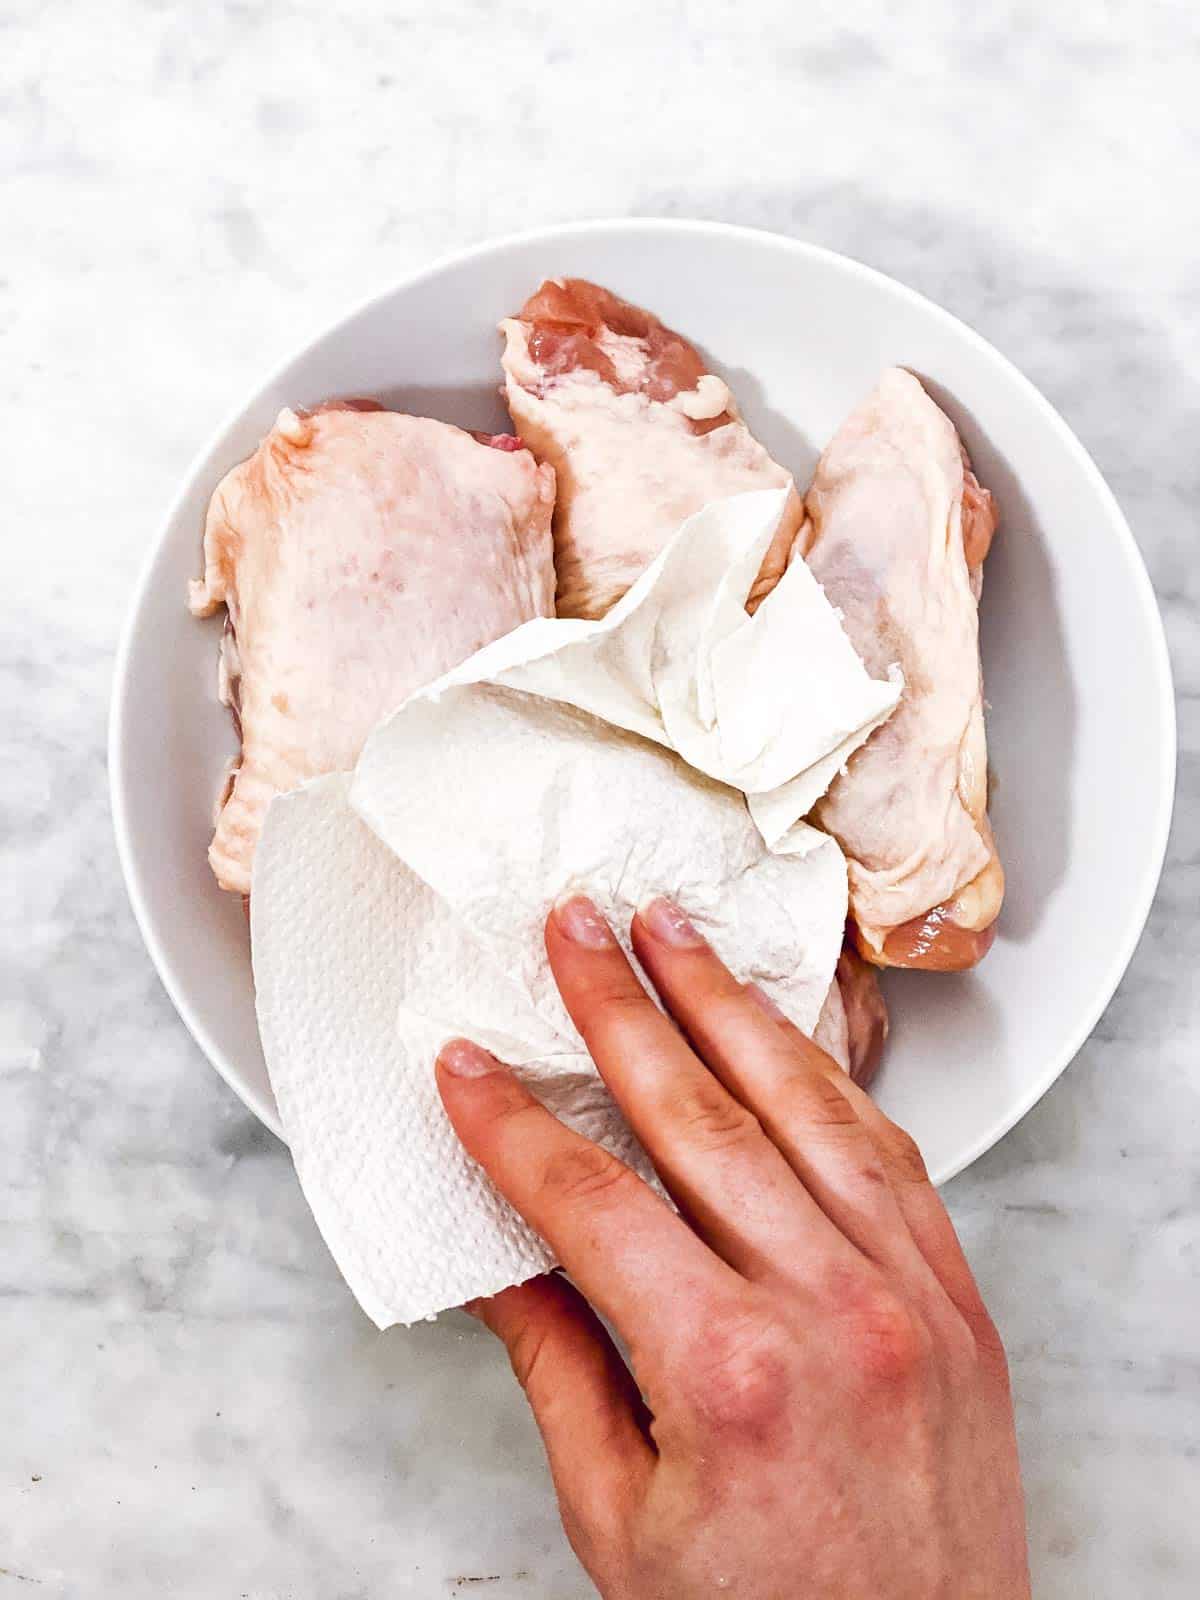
(1081,722)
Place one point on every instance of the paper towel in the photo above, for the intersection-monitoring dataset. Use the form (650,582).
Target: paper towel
(772,704)
(407,904)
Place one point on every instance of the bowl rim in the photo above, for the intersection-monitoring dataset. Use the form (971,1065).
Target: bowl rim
(1155,829)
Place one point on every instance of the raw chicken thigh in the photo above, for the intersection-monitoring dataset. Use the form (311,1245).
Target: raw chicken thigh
(897,529)
(640,435)
(361,554)
(853,1025)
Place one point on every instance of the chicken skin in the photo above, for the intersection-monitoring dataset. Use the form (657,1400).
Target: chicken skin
(360,554)
(896,531)
(639,433)
(853,1025)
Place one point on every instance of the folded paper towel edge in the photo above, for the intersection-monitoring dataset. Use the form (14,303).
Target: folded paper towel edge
(533,641)
(504,660)
(385,1315)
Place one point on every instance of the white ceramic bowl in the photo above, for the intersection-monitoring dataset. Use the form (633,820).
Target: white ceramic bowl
(1081,727)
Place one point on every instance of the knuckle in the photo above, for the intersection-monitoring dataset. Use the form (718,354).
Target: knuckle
(726,1005)
(617,1009)
(736,1373)
(892,1345)
(888,1343)
(816,1100)
(513,1114)
(508,1101)
(957,1349)
(903,1155)
(987,1341)
(711,1119)
(585,1175)
(526,1352)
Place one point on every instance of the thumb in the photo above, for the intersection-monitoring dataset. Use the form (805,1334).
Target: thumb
(587,1407)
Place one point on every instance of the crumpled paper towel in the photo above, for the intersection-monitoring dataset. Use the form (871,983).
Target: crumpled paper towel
(398,907)
(773,704)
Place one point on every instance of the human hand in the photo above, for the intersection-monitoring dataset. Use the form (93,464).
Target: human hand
(818,1403)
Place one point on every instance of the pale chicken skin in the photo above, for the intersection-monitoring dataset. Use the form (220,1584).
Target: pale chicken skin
(360,553)
(896,531)
(639,433)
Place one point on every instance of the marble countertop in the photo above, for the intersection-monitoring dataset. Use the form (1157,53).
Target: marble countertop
(192,1405)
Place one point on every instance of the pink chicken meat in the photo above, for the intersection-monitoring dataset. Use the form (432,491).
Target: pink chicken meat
(853,1025)
(640,435)
(360,554)
(896,531)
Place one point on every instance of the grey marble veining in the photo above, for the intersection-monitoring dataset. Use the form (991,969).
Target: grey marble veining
(191,1405)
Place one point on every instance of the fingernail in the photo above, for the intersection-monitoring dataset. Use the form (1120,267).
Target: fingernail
(763,999)
(582,923)
(664,921)
(462,1059)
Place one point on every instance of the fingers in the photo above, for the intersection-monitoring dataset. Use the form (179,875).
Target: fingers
(794,1089)
(919,1203)
(727,1177)
(927,1218)
(625,1248)
(586,1404)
